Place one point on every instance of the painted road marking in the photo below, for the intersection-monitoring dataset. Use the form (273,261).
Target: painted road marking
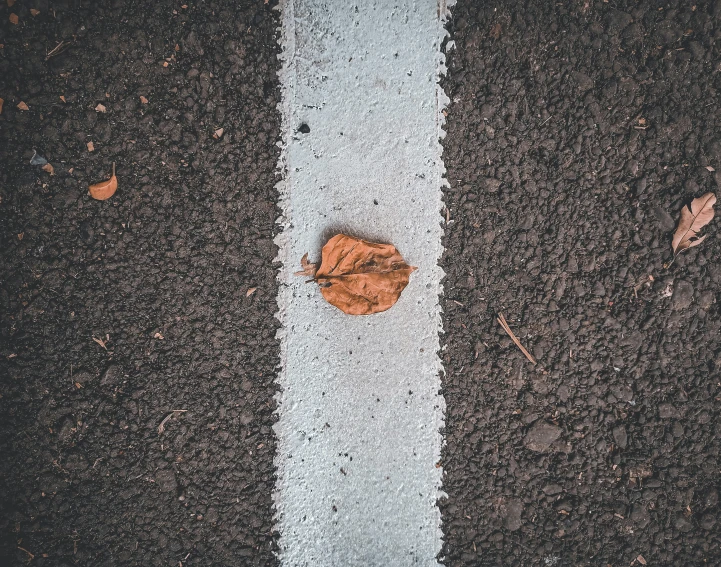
(360,409)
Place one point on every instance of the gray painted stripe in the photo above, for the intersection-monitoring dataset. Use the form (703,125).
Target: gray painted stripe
(360,410)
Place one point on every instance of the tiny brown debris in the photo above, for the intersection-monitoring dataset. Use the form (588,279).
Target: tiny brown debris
(496,31)
(218,133)
(641,559)
(91,147)
(158,336)
(100,108)
(250,291)
(102,342)
(1,105)
(143,100)
(693,219)
(22,106)
(49,168)
(14,19)
(11,3)
(104,189)
(63,98)
(177,47)
(165,63)
(710,168)
(502,321)
(34,12)
(20,235)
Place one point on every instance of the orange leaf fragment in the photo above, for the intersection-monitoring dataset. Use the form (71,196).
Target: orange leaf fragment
(250,291)
(22,106)
(693,219)
(359,277)
(143,100)
(100,108)
(11,3)
(49,168)
(63,98)
(14,19)
(218,133)
(104,189)
(91,147)
(1,105)
(34,12)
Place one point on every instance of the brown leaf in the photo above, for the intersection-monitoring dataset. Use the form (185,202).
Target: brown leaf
(250,291)
(49,168)
(104,189)
(1,105)
(641,559)
(22,106)
(14,19)
(496,31)
(693,219)
(63,98)
(359,277)
(143,99)
(91,147)
(34,12)
(218,133)
(100,108)
(309,269)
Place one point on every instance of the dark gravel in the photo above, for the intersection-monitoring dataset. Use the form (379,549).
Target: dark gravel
(573,141)
(159,272)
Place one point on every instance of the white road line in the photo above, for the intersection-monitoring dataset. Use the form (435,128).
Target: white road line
(360,409)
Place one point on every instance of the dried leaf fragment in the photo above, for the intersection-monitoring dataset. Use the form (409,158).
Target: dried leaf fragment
(496,31)
(218,133)
(63,98)
(693,219)
(641,559)
(91,147)
(250,291)
(100,108)
(309,269)
(104,189)
(34,12)
(359,277)
(22,106)
(49,168)
(1,105)
(143,100)
(14,19)
(11,3)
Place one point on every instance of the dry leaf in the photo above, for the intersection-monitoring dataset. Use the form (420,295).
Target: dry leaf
(100,108)
(63,98)
(158,336)
(693,219)
(496,31)
(20,235)
(14,19)
(1,105)
(22,106)
(641,559)
(165,63)
(359,277)
(309,269)
(104,189)
(143,99)
(91,147)
(709,168)
(218,133)
(250,291)
(11,3)
(49,168)
(34,12)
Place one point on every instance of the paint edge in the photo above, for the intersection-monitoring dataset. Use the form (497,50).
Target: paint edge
(442,102)
(286,41)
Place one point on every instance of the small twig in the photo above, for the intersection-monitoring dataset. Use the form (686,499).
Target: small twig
(161,427)
(502,321)
(55,50)
(26,551)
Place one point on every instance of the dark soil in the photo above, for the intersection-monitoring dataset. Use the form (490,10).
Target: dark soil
(159,273)
(573,141)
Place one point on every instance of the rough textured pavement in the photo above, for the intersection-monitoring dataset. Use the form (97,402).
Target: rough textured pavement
(162,269)
(578,131)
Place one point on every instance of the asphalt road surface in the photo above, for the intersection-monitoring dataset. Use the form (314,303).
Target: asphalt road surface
(575,133)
